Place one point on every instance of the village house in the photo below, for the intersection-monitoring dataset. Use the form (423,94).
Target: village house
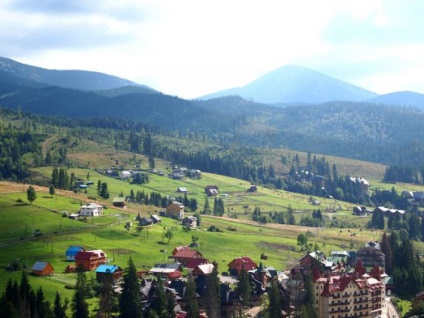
(236,265)
(156,218)
(42,269)
(179,248)
(90,260)
(203,270)
(190,221)
(72,251)
(194,262)
(91,209)
(186,255)
(168,271)
(175,210)
(145,221)
(312,260)
(125,174)
(104,271)
(211,190)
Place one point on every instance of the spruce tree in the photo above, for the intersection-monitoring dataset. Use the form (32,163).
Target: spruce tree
(160,299)
(274,308)
(130,300)
(243,288)
(191,306)
(59,307)
(387,250)
(79,305)
(213,295)
(107,302)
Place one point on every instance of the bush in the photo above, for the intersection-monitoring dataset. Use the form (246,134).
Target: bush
(213,228)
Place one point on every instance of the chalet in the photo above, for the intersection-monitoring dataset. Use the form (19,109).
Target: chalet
(236,265)
(185,255)
(42,269)
(178,173)
(190,221)
(104,271)
(312,260)
(72,251)
(156,218)
(371,256)
(146,221)
(175,210)
(203,270)
(119,202)
(211,190)
(125,174)
(182,190)
(90,260)
(195,173)
(91,209)
(179,248)
(193,263)
(166,270)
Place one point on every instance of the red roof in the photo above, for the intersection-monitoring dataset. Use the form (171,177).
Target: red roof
(194,262)
(180,248)
(240,262)
(89,254)
(187,254)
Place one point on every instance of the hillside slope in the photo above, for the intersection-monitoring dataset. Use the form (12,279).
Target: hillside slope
(83,80)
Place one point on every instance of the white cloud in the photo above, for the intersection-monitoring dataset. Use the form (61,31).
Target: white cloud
(190,48)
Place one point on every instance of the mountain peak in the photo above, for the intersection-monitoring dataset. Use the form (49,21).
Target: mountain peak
(293,83)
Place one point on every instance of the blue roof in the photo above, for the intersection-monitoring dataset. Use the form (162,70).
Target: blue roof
(39,266)
(107,269)
(73,250)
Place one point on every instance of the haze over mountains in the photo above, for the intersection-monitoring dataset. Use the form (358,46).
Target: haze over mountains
(284,86)
(336,118)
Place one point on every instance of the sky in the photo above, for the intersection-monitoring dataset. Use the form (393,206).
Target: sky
(190,48)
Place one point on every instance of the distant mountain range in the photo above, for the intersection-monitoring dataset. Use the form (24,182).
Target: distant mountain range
(292,84)
(362,128)
(82,80)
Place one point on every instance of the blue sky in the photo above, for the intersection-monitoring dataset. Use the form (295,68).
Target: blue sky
(191,48)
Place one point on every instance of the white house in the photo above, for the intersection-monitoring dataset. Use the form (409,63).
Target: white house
(91,209)
(125,174)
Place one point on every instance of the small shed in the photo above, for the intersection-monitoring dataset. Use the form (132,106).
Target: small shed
(146,221)
(42,269)
(119,202)
(182,190)
(190,221)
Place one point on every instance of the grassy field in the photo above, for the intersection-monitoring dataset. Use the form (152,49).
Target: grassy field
(20,219)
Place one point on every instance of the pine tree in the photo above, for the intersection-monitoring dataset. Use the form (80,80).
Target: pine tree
(107,302)
(387,250)
(243,288)
(130,300)
(160,302)
(51,190)
(79,305)
(59,308)
(191,306)
(206,207)
(274,308)
(213,295)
